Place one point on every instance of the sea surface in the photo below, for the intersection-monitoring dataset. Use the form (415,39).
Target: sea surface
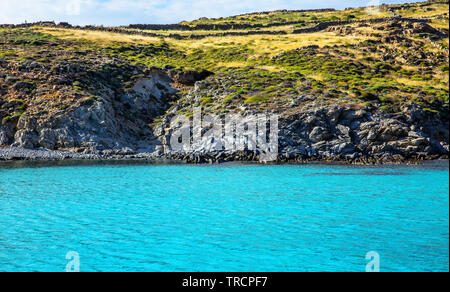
(142,217)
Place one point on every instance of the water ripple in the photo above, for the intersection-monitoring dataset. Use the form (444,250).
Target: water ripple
(224,218)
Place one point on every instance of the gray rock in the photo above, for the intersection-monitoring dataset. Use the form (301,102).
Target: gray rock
(344,148)
(320,134)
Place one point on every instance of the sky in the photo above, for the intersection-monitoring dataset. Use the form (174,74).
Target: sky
(124,12)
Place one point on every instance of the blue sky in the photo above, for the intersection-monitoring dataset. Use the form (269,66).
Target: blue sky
(122,12)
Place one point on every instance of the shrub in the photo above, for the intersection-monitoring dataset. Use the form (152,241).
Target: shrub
(255,99)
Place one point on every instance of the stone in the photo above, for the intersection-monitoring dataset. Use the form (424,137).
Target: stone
(26,139)
(320,134)
(344,148)
(345,132)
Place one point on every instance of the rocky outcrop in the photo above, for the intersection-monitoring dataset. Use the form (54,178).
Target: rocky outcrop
(112,122)
(338,133)
(350,133)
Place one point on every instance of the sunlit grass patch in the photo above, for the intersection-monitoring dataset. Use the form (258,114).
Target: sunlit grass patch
(425,11)
(100,37)
(255,99)
(421,83)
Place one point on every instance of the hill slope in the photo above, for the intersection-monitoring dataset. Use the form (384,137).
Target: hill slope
(357,84)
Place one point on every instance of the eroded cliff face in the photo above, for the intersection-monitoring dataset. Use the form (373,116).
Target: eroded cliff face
(115,120)
(349,132)
(326,131)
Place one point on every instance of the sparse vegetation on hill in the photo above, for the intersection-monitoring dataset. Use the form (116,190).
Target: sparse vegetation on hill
(47,70)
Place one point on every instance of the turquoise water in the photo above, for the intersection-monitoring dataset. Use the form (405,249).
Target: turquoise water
(224,218)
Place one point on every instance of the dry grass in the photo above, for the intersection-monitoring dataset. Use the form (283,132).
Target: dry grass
(438,9)
(285,28)
(184,32)
(231,64)
(419,83)
(316,77)
(270,45)
(440,23)
(100,37)
(270,68)
(264,45)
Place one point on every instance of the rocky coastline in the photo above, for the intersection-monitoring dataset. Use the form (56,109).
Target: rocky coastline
(12,154)
(360,91)
(319,131)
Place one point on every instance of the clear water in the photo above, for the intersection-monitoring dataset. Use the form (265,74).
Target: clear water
(224,218)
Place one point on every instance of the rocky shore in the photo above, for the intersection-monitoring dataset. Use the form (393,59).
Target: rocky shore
(357,91)
(317,131)
(22,154)
(15,153)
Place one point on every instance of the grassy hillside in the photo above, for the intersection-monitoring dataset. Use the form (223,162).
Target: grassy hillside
(432,8)
(384,64)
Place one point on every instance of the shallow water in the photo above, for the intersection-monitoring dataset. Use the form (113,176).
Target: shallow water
(224,218)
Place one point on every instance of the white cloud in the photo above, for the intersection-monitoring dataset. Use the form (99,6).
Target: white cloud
(121,12)
(73,7)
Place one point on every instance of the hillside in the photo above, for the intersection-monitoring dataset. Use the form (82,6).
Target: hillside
(356,84)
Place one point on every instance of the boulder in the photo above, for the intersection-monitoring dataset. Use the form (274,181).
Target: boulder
(344,149)
(320,134)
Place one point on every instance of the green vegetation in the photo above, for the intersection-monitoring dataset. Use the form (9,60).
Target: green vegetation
(255,99)
(8,54)
(26,37)
(289,16)
(385,65)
